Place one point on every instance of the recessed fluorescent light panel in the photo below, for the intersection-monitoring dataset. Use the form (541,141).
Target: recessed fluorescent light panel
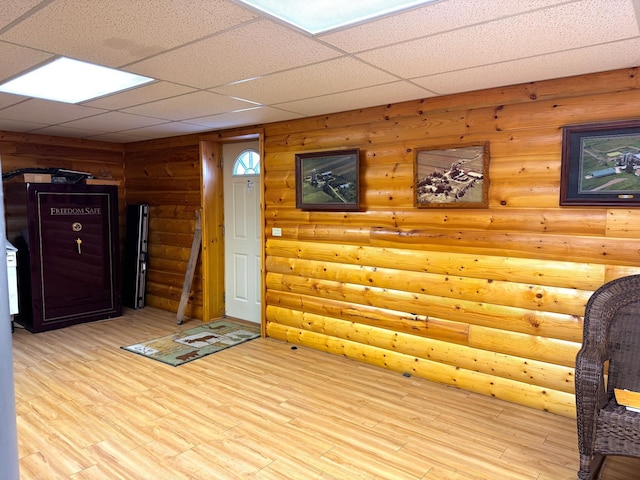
(72,81)
(323,15)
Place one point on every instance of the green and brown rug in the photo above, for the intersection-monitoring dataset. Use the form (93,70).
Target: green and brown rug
(188,345)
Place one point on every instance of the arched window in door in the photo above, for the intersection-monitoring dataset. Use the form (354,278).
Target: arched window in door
(247,163)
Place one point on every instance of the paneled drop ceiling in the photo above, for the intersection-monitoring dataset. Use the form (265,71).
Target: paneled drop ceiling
(219,64)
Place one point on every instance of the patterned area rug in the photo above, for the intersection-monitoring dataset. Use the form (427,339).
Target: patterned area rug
(188,345)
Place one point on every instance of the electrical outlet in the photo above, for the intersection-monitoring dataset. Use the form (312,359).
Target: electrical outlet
(276,232)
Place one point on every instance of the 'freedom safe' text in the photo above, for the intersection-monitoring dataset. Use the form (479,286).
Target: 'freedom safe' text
(56,211)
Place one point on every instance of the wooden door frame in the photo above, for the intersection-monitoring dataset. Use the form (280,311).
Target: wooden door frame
(213,219)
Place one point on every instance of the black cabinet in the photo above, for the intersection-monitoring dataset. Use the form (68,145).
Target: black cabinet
(68,254)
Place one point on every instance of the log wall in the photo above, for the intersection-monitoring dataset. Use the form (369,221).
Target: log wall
(22,150)
(488,300)
(166,175)
(177,176)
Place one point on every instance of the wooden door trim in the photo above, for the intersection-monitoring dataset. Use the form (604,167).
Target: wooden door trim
(213,223)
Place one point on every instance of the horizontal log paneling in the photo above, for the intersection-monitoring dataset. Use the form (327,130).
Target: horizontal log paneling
(161,185)
(524,393)
(413,129)
(22,150)
(168,251)
(490,300)
(159,286)
(169,264)
(162,302)
(623,223)
(181,240)
(158,198)
(617,271)
(393,320)
(180,164)
(173,211)
(547,325)
(590,249)
(476,359)
(581,249)
(589,222)
(604,82)
(166,176)
(102,160)
(550,350)
(173,225)
(594,108)
(524,194)
(521,295)
(544,168)
(561,274)
(515,319)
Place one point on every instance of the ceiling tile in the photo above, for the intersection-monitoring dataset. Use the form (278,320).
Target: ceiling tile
(16,59)
(7,99)
(361,98)
(165,130)
(433,18)
(205,52)
(563,64)
(144,94)
(19,126)
(62,131)
(191,105)
(519,37)
(45,111)
(117,32)
(12,9)
(255,49)
(113,122)
(339,75)
(252,116)
(118,138)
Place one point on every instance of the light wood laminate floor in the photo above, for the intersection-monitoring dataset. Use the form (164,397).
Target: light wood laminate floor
(89,410)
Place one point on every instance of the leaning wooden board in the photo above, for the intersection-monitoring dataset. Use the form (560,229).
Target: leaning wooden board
(191,268)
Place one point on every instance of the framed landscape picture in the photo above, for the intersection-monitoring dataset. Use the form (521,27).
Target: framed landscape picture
(452,176)
(328,180)
(601,164)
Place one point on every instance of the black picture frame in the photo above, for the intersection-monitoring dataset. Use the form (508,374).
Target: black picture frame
(452,176)
(328,180)
(601,164)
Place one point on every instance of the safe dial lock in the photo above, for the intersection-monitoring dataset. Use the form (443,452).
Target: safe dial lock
(76,226)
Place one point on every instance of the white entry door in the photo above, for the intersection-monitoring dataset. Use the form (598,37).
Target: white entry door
(242,232)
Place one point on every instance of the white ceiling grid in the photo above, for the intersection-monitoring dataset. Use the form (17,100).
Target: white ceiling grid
(220,65)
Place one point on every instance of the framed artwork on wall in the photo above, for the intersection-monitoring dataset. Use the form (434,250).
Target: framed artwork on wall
(328,180)
(601,164)
(452,176)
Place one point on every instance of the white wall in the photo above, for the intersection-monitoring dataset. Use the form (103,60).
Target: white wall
(8,428)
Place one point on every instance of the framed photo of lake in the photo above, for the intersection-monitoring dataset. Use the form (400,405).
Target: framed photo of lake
(328,180)
(452,176)
(601,164)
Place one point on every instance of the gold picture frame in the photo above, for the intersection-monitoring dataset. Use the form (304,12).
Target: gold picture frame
(452,176)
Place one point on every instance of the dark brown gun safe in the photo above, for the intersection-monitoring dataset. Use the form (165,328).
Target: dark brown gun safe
(68,254)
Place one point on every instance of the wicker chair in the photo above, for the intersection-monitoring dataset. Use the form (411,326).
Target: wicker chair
(609,358)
